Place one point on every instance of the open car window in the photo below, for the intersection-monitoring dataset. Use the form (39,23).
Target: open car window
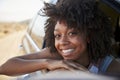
(37,32)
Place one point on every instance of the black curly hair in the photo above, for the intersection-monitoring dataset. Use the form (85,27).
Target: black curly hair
(86,17)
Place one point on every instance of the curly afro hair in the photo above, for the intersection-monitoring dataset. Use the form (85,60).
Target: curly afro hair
(87,18)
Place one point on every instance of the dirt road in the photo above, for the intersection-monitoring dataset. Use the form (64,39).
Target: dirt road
(10,47)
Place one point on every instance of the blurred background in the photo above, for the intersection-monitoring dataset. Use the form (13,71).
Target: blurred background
(15,16)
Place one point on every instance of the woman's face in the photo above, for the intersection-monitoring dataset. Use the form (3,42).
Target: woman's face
(70,44)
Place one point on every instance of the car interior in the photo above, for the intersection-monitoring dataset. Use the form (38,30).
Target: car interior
(112,10)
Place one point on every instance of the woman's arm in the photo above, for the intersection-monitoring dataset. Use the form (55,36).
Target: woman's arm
(17,66)
(27,63)
(36,61)
(43,54)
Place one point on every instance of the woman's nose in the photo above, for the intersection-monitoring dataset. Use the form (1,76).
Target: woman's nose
(64,40)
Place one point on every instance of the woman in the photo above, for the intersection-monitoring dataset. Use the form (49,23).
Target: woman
(77,35)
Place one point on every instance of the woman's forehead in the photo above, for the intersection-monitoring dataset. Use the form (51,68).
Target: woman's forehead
(62,24)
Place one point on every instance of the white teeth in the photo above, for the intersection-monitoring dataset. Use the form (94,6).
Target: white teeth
(67,51)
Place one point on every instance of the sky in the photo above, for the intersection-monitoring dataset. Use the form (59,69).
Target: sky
(18,10)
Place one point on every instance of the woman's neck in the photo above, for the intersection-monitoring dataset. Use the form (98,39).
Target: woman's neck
(84,60)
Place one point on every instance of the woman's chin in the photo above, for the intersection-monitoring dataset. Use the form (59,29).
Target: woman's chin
(68,58)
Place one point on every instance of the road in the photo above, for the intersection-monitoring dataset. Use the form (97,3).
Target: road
(10,47)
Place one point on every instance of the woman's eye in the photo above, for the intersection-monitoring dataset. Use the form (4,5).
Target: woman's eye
(72,33)
(57,36)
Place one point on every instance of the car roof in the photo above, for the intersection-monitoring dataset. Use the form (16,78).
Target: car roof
(115,4)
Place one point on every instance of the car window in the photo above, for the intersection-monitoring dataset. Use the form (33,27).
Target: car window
(34,38)
(37,32)
(118,1)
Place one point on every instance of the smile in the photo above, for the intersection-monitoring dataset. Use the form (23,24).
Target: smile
(68,51)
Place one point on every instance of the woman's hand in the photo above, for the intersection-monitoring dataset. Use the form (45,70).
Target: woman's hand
(64,64)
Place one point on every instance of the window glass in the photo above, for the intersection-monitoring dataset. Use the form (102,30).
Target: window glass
(36,28)
(118,1)
(37,32)
(31,24)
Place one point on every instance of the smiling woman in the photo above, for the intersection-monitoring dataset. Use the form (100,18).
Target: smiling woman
(77,37)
